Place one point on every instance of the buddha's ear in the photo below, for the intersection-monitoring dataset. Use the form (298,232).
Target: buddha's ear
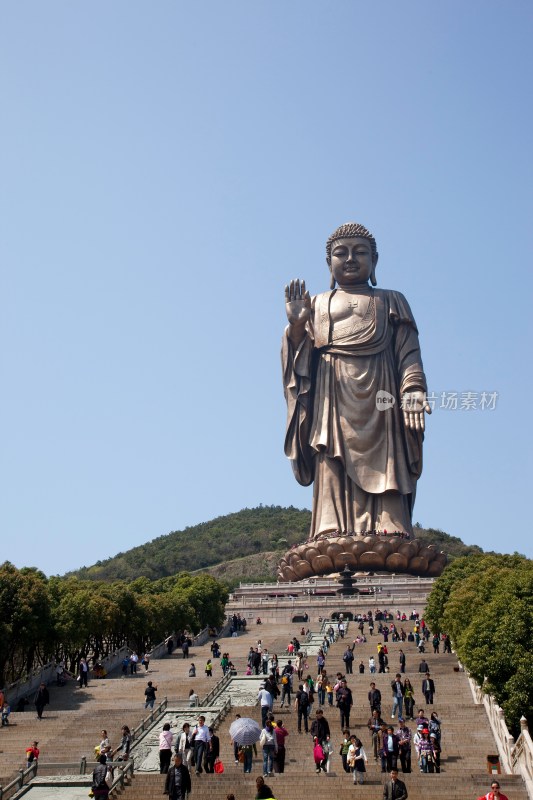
(373,280)
(332,281)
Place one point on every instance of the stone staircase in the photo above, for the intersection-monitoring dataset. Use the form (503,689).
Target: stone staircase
(72,724)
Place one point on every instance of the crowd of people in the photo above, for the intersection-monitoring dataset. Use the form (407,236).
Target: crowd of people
(396,737)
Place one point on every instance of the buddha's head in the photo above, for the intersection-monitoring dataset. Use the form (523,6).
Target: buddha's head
(352,256)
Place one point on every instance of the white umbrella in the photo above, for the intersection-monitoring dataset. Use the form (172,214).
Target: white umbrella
(245,731)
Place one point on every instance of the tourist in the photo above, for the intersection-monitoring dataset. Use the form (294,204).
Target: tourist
(83,672)
(184,745)
(402,661)
(281,733)
(425,752)
(165,749)
(201,738)
(194,700)
(266,702)
(213,752)
(32,753)
(301,704)
(494,793)
(357,759)
(209,668)
(269,744)
(343,752)
(319,756)
(428,688)
(344,703)
(6,711)
(145,661)
(134,660)
(435,725)
(192,670)
(391,748)
(320,729)
(263,792)
(348,659)
(374,725)
(397,695)
(374,699)
(404,742)
(329,692)
(99,787)
(409,698)
(394,789)
(42,699)
(178,780)
(104,748)
(124,747)
(149,694)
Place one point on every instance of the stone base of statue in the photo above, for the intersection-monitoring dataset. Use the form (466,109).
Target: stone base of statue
(379,552)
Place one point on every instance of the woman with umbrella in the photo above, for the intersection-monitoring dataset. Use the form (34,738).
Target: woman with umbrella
(245,732)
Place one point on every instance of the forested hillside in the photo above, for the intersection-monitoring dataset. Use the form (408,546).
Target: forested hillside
(266,530)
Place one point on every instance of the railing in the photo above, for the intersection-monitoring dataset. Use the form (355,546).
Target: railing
(217,688)
(516,757)
(150,719)
(241,602)
(522,757)
(17,783)
(325,582)
(59,767)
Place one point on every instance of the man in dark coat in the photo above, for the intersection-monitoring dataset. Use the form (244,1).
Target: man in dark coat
(320,727)
(213,752)
(394,789)
(374,699)
(178,780)
(42,698)
(344,704)
(428,688)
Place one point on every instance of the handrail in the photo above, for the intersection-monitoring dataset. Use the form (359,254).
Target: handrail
(217,688)
(516,757)
(150,719)
(18,782)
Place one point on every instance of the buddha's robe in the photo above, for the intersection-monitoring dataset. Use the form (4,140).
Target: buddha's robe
(363,461)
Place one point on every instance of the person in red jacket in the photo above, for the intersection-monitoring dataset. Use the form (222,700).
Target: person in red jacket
(494,793)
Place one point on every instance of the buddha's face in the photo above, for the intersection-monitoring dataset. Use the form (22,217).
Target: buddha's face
(351,261)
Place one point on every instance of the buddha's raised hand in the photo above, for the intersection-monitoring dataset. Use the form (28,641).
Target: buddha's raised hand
(297,303)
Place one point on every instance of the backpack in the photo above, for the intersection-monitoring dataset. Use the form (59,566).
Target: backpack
(304,700)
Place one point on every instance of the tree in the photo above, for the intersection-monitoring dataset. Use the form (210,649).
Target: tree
(485,603)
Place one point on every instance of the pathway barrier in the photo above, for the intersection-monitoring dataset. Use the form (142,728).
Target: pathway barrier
(516,757)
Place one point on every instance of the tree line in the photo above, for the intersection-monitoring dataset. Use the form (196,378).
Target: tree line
(64,618)
(485,603)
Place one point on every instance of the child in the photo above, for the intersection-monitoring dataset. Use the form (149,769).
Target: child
(209,668)
(32,753)
(343,752)
(192,671)
(329,692)
(248,670)
(6,711)
(319,756)
(357,759)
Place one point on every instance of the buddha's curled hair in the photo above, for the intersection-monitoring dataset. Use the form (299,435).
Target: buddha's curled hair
(348,231)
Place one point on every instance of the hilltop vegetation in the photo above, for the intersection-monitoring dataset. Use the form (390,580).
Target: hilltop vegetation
(245,545)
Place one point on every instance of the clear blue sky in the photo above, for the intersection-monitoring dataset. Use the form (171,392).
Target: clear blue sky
(167,167)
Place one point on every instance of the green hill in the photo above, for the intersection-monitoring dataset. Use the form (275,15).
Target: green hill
(241,546)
